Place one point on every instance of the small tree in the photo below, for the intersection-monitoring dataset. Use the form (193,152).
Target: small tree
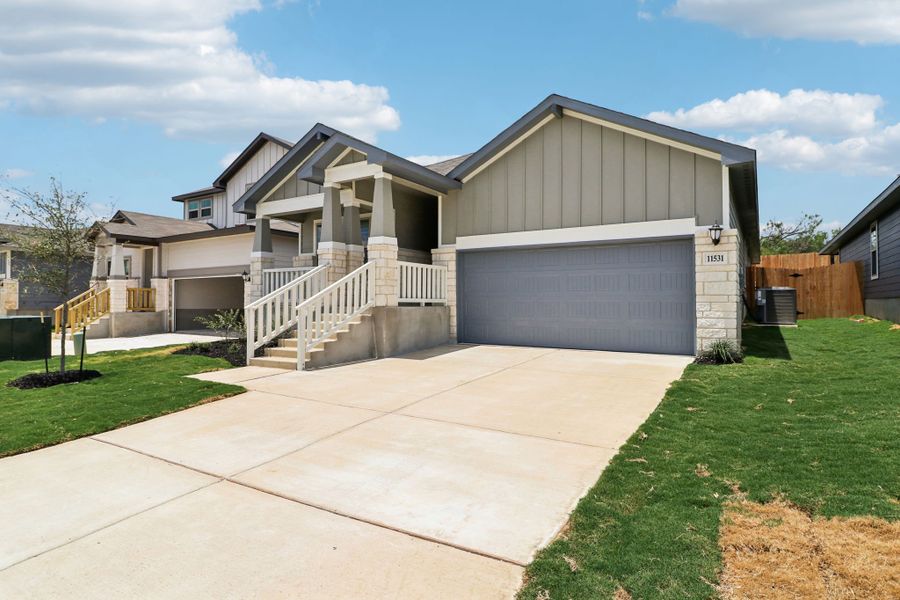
(783,238)
(226,321)
(56,241)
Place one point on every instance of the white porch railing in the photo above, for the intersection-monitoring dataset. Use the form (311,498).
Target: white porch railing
(275,313)
(321,315)
(422,283)
(276,278)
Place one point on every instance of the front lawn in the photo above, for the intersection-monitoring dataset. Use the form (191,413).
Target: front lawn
(135,385)
(811,417)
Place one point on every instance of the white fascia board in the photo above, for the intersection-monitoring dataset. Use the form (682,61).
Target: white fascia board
(670,228)
(343,154)
(642,134)
(289,175)
(515,143)
(289,206)
(726,198)
(351,172)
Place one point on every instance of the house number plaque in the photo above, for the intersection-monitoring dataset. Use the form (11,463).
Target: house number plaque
(715,258)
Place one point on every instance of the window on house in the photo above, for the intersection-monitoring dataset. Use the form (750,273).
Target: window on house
(873,249)
(200,209)
(127,266)
(5,263)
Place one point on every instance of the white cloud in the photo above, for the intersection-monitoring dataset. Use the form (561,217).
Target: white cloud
(802,130)
(16,174)
(861,21)
(228,159)
(808,111)
(430,159)
(174,63)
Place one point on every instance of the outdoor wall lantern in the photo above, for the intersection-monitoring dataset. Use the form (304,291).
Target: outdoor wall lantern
(245,276)
(715,233)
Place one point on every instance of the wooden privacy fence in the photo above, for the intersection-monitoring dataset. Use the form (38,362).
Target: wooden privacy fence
(830,291)
(805,260)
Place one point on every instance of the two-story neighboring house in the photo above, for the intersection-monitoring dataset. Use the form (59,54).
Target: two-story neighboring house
(158,273)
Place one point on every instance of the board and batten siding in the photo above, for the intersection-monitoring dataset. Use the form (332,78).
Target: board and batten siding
(572,173)
(293,188)
(888,283)
(246,176)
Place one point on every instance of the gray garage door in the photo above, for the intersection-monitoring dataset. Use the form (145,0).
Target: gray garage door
(203,297)
(626,297)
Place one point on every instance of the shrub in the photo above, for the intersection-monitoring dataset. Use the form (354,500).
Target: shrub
(721,352)
(226,321)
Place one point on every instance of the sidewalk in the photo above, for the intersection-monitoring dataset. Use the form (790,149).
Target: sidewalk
(133,343)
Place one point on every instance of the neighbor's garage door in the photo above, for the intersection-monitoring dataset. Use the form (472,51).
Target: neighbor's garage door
(204,296)
(636,297)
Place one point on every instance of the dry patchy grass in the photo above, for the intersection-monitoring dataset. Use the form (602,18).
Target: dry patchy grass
(776,551)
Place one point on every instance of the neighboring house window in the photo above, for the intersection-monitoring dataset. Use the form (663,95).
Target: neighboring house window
(5,263)
(873,249)
(127,266)
(200,209)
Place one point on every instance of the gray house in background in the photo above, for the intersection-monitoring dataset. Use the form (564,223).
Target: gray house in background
(872,238)
(18,297)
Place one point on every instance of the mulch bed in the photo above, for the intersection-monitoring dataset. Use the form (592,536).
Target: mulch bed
(34,381)
(219,349)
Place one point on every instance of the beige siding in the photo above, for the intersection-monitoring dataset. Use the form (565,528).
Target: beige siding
(246,176)
(571,173)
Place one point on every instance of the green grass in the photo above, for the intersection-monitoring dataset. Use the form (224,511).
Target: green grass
(136,385)
(811,416)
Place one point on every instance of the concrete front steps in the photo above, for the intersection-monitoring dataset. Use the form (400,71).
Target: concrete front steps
(325,353)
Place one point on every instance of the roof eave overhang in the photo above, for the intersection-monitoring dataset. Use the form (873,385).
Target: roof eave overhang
(204,193)
(884,202)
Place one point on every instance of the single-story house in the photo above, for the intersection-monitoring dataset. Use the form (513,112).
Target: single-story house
(577,227)
(18,296)
(872,239)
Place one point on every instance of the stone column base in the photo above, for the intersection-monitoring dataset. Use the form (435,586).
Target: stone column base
(334,254)
(719,297)
(446,256)
(304,260)
(355,256)
(383,252)
(118,302)
(255,288)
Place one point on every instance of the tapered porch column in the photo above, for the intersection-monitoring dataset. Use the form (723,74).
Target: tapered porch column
(261,258)
(383,242)
(116,281)
(306,256)
(98,270)
(352,230)
(332,249)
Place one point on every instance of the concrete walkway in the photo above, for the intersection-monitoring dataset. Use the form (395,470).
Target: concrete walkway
(435,475)
(132,343)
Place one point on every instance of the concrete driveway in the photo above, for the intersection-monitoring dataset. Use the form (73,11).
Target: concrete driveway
(437,475)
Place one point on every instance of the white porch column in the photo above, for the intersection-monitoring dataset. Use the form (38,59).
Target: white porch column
(332,250)
(383,243)
(118,303)
(261,258)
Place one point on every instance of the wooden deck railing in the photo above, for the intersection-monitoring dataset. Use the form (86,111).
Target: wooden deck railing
(140,299)
(422,283)
(68,304)
(88,310)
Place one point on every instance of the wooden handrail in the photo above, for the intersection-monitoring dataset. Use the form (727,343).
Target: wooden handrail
(88,310)
(68,304)
(140,299)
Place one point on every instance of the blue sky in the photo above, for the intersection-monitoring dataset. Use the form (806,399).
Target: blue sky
(136,103)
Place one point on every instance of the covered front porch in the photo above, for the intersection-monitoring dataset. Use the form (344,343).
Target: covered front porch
(369,241)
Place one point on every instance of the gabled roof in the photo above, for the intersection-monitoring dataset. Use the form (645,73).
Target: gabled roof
(9,231)
(261,140)
(318,148)
(884,202)
(201,193)
(136,226)
(445,166)
(555,104)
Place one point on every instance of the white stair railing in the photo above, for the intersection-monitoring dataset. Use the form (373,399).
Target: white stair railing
(276,278)
(275,313)
(422,283)
(320,315)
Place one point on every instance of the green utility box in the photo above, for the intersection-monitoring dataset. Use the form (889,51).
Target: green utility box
(24,338)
